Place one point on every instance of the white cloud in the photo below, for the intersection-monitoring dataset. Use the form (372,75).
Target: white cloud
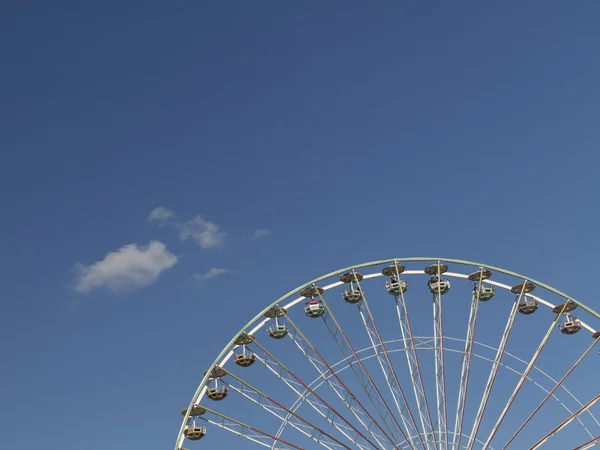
(212,273)
(128,268)
(260,232)
(160,215)
(204,232)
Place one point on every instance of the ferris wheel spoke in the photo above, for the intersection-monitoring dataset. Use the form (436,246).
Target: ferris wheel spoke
(523,378)
(440,368)
(248,432)
(495,366)
(277,409)
(411,356)
(464,446)
(387,367)
(322,408)
(314,400)
(339,387)
(363,375)
(551,393)
(566,422)
(345,364)
(588,444)
(466,365)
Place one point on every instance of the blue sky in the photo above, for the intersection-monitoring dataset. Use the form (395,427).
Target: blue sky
(342,133)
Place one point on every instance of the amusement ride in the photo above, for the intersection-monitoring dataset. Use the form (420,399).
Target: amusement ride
(406,353)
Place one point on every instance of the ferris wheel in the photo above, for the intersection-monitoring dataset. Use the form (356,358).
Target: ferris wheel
(406,353)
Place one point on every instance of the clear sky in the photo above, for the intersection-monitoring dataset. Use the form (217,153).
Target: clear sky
(282,140)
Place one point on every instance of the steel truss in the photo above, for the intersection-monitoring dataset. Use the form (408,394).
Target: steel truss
(551,393)
(566,422)
(466,366)
(523,378)
(387,368)
(423,343)
(495,366)
(362,375)
(248,432)
(414,368)
(315,401)
(340,388)
(440,368)
(588,444)
(296,421)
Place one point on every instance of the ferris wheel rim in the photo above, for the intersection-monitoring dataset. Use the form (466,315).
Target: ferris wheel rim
(228,348)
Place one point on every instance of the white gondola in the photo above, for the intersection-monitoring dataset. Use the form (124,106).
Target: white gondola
(279,331)
(528,305)
(217,392)
(396,287)
(439,286)
(195,433)
(245,359)
(314,308)
(485,293)
(352,295)
(571,325)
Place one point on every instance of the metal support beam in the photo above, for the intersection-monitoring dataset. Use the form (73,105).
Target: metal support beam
(440,369)
(340,388)
(414,368)
(589,444)
(296,421)
(322,407)
(551,393)
(387,368)
(466,366)
(367,383)
(566,422)
(522,379)
(248,432)
(495,367)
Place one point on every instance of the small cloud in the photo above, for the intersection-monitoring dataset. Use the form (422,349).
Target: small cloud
(260,232)
(207,234)
(212,273)
(130,267)
(161,215)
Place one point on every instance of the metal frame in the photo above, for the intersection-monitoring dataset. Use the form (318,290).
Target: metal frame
(387,368)
(315,401)
(259,321)
(426,343)
(414,369)
(337,385)
(588,444)
(248,432)
(278,410)
(522,379)
(440,367)
(551,393)
(566,422)
(494,371)
(466,366)
(364,378)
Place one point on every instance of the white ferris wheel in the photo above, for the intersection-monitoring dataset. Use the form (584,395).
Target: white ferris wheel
(406,353)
